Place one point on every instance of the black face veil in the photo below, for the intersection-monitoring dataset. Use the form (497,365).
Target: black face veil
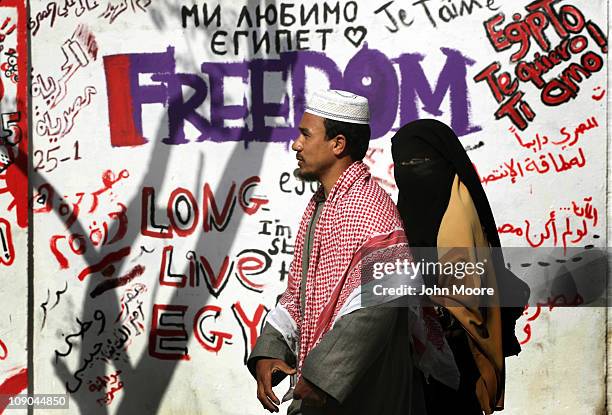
(427,155)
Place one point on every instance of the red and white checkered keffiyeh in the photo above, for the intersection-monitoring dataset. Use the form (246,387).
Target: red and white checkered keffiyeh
(359,222)
(358,218)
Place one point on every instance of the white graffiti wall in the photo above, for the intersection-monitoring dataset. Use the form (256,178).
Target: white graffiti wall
(163,206)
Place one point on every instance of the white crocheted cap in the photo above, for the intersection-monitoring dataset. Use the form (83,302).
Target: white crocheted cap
(338,105)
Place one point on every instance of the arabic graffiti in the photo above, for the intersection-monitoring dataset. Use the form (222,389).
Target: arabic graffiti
(79,51)
(555,161)
(54,9)
(61,126)
(83,328)
(58,293)
(108,348)
(44,308)
(109,230)
(558,231)
(109,384)
(568,140)
(556,301)
(598,96)
(108,180)
(79,8)
(127,297)
(56,122)
(44,305)
(116,9)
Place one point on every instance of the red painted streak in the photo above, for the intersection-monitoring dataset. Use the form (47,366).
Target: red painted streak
(243,267)
(22,86)
(120,106)
(13,386)
(137,271)
(61,259)
(251,324)
(121,216)
(17,184)
(16,174)
(8,240)
(216,280)
(108,259)
(598,97)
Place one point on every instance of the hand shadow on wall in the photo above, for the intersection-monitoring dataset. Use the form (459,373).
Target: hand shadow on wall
(146,379)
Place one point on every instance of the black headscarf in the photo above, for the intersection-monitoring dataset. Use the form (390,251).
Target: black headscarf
(427,155)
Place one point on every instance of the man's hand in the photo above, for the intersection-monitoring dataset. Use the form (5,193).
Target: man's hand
(264,369)
(310,394)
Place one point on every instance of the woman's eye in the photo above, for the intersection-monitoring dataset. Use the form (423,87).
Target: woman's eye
(414,162)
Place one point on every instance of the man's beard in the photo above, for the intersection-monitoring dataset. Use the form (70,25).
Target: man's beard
(307,177)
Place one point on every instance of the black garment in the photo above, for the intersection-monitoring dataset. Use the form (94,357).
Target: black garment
(442,400)
(424,178)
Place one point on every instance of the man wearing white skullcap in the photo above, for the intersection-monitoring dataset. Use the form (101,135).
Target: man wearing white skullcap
(345,359)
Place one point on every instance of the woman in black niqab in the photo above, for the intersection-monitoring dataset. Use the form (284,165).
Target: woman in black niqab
(429,159)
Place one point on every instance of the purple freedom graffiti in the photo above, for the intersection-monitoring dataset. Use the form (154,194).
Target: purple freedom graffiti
(369,73)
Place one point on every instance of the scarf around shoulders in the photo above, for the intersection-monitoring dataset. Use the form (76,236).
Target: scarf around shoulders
(358,219)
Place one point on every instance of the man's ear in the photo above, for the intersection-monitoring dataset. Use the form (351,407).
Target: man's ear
(340,145)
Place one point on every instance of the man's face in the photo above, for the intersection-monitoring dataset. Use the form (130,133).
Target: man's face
(314,152)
